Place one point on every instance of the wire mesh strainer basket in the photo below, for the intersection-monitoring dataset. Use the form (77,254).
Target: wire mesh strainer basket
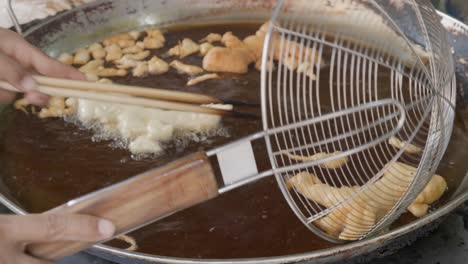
(369,50)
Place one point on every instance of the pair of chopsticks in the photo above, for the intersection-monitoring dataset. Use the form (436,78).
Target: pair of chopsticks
(133,95)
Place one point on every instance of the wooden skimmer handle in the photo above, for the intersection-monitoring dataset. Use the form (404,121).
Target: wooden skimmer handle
(139,200)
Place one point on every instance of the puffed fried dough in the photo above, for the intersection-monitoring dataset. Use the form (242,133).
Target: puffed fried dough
(116,38)
(140,70)
(65,58)
(125,43)
(185,68)
(114,52)
(91,66)
(185,48)
(133,49)
(220,59)
(361,210)
(157,66)
(202,78)
(212,37)
(56,108)
(205,47)
(331,164)
(410,149)
(151,43)
(81,57)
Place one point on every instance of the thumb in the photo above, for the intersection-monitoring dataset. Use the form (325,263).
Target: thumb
(60,227)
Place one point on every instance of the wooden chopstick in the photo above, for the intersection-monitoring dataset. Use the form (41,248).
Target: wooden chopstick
(165,95)
(130,100)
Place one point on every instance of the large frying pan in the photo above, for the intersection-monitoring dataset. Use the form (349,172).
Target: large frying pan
(92,22)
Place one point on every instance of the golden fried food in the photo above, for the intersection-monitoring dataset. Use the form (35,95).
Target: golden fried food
(185,68)
(65,58)
(233,60)
(212,37)
(205,47)
(185,48)
(114,52)
(331,164)
(56,108)
(140,70)
(357,209)
(115,39)
(157,66)
(202,78)
(81,57)
(410,149)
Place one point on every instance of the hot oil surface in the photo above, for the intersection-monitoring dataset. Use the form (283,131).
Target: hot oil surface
(47,162)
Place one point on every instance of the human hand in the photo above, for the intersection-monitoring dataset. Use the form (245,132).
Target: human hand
(16,232)
(19,60)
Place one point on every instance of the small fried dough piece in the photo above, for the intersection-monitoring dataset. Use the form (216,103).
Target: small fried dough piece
(56,108)
(270,65)
(307,69)
(157,66)
(140,44)
(154,40)
(151,43)
(65,58)
(155,33)
(204,48)
(220,59)
(97,51)
(431,193)
(109,72)
(358,209)
(231,41)
(131,60)
(95,67)
(133,49)
(138,56)
(130,240)
(81,57)
(185,68)
(185,48)
(114,52)
(95,46)
(410,149)
(255,44)
(135,35)
(140,70)
(91,66)
(21,104)
(331,164)
(202,78)
(116,38)
(125,43)
(212,37)
(290,63)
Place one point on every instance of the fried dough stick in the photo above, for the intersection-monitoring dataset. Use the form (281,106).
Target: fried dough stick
(358,210)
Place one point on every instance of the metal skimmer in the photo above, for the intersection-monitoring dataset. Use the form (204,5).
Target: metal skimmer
(363,48)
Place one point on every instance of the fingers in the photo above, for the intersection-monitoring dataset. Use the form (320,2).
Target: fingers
(31,57)
(57,227)
(15,74)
